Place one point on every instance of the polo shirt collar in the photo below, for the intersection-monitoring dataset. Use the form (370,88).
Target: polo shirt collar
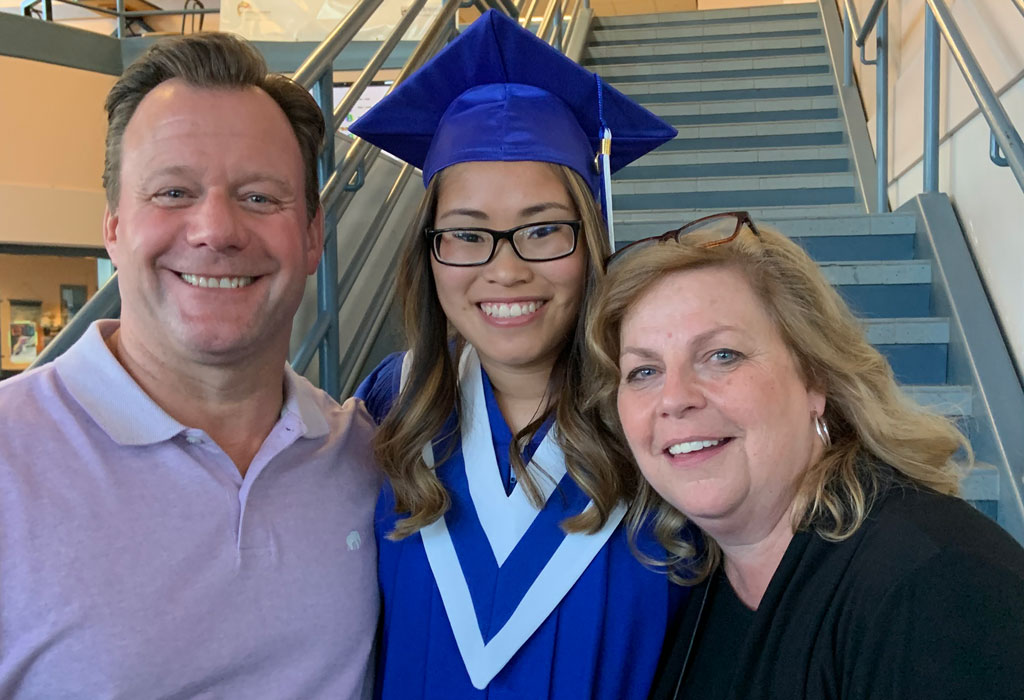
(110,396)
(303,400)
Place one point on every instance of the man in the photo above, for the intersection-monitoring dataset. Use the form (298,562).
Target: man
(180,514)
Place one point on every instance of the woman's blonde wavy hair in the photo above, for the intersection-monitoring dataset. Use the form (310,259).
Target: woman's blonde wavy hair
(431,392)
(871,420)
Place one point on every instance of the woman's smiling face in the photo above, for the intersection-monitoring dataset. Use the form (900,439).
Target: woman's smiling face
(517,314)
(713,404)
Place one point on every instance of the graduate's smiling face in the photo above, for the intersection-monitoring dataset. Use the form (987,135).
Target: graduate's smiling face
(517,314)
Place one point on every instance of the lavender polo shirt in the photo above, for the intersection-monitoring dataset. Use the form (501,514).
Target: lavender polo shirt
(136,562)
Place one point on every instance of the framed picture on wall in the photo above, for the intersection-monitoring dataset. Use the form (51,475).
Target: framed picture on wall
(26,338)
(72,299)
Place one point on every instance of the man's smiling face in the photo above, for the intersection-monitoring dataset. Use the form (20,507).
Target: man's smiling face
(211,237)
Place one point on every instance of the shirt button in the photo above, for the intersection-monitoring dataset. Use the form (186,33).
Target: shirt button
(193,440)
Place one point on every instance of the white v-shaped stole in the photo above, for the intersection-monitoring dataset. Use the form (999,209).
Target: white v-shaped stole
(504,519)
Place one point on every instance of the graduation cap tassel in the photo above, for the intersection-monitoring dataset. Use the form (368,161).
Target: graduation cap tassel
(604,165)
(606,184)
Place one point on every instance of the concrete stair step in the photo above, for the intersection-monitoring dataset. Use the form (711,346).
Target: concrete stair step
(916,348)
(809,115)
(744,106)
(891,288)
(766,129)
(732,199)
(797,153)
(660,220)
(705,50)
(981,483)
(907,331)
(878,272)
(763,14)
(720,184)
(685,74)
(819,166)
(614,72)
(820,222)
(837,239)
(700,84)
(662,34)
(655,101)
(757,142)
(948,399)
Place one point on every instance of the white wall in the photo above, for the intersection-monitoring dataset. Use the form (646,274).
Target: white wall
(987,198)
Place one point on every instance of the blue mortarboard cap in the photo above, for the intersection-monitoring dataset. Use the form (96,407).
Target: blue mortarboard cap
(497,92)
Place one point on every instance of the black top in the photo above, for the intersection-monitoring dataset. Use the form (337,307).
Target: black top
(924,601)
(726,624)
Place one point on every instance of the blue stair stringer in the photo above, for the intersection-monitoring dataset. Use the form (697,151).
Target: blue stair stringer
(753,94)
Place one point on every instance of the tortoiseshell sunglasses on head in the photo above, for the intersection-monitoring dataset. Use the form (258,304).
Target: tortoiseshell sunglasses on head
(706,232)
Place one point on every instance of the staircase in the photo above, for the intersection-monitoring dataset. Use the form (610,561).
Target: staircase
(753,94)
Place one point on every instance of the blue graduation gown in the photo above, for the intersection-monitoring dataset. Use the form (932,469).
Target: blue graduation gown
(602,640)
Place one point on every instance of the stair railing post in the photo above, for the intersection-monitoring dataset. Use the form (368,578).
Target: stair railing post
(932,69)
(329,354)
(847,47)
(121,23)
(882,108)
(530,9)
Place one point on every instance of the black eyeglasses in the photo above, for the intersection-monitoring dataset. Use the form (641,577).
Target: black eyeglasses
(538,242)
(706,232)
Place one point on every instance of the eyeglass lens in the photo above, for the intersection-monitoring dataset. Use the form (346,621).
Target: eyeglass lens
(711,231)
(536,243)
(707,232)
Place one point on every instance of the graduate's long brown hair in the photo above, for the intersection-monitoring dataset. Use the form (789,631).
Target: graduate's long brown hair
(432,393)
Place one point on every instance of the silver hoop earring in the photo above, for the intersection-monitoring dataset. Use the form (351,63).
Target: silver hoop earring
(821,427)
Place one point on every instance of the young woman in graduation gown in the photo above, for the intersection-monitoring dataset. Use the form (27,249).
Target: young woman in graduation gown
(504,568)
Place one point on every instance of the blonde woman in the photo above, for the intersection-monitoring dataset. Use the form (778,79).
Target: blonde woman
(835,560)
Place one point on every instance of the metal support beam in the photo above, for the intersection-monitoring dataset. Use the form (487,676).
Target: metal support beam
(527,17)
(932,69)
(327,272)
(322,60)
(874,15)
(995,114)
(847,47)
(994,152)
(882,108)
(355,91)
(122,21)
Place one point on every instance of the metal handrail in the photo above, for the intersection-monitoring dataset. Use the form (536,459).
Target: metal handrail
(870,21)
(355,90)
(322,59)
(530,9)
(878,21)
(1005,147)
(320,334)
(120,14)
(574,14)
(548,21)
(1003,132)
